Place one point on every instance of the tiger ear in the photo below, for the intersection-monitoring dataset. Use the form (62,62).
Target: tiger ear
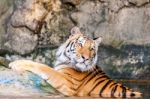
(75,30)
(98,40)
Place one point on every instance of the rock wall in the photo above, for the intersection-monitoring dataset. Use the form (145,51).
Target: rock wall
(6,7)
(33,29)
(43,23)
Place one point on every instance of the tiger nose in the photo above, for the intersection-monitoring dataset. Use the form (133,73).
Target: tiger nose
(85,57)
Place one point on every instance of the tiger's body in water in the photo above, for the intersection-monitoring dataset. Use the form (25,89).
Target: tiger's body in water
(76,72)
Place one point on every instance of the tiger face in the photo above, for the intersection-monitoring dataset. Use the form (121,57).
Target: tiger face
(79,51)
(82,53)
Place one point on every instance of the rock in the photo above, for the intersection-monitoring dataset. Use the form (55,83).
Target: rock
(55,30)
(89,16)
(120,26)
(23,84)
(21,40)
(49,23)
(74,2)
(139,2)
(4,62)
(132,25)
(38,24)
(29,14)
(41,55)
(115,5)
(5,12)
(131,62)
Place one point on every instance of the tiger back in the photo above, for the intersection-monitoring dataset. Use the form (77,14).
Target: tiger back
(96,84)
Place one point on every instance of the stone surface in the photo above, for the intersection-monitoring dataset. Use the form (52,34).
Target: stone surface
(131,62)
(38,23)
(132,25)
(74,2)
(20,40)
(23,84)
(6,8)
(139,2)
(119,25)
(119,22)
(87,18)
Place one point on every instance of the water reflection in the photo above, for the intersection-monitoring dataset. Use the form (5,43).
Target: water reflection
(141,85)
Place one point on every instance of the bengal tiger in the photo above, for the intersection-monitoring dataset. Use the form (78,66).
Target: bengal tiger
(76,72)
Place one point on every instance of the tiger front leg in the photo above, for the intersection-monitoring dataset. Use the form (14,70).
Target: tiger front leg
(53,77)
(21,65)
(27,65)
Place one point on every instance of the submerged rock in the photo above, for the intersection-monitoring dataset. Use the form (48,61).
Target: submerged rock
(23,84)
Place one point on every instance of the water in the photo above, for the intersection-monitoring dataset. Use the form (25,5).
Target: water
(27,85)
(141,85)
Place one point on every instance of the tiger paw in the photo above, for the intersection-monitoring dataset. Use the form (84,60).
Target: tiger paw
(19,65)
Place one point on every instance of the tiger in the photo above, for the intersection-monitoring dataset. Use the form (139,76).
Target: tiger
(75,72)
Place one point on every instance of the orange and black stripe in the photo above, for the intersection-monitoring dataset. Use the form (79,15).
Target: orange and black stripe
(100,81)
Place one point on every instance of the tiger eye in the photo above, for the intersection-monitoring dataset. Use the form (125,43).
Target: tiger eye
(79,44)
(91,49)
(93,53)
(78,55)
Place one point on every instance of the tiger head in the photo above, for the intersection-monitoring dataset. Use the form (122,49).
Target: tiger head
(79,51)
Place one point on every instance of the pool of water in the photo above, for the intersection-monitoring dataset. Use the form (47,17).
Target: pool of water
(141,85)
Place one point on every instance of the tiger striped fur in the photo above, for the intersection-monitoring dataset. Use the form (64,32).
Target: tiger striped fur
(79,51)
(76,72)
